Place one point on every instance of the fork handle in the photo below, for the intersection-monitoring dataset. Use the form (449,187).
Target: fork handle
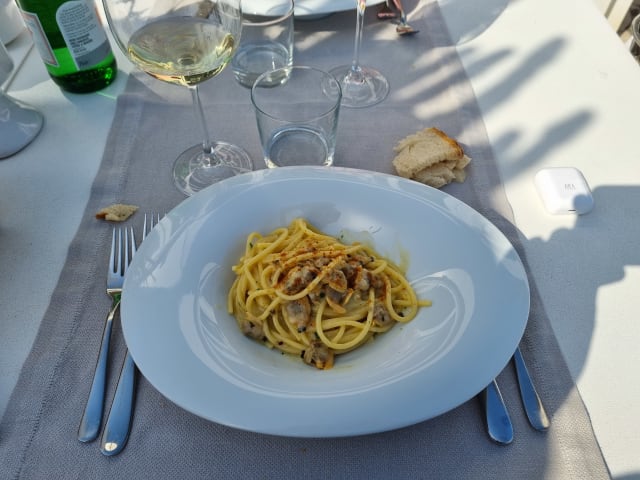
(116,430)
(92,416)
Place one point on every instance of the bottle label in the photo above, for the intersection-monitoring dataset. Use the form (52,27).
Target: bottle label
(83,33)
(40,40)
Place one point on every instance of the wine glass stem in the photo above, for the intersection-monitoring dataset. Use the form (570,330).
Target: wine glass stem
(355,65)
(207,147)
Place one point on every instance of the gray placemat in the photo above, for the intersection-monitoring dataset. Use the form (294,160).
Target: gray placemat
(154,122)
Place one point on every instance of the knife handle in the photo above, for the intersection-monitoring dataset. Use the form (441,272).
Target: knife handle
(116,430)
(530,398)
(499,424)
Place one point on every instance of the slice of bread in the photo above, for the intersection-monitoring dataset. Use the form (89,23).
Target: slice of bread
(432,157)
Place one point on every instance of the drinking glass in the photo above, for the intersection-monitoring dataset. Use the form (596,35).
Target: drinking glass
(361,86)
(184,42)
(267,40)
(297,112)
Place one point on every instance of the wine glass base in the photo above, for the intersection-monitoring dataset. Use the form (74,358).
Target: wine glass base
(192,172)
(19,125)
(361,88)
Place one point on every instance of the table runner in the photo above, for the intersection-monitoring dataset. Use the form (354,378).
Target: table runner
(154,122)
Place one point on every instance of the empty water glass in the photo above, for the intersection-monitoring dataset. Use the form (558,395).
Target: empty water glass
(267,39)
(297,114)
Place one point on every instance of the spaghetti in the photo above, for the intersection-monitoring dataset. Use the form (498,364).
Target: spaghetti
(307,294)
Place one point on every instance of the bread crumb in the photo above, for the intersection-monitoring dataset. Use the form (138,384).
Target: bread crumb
(431,157)
(117,212)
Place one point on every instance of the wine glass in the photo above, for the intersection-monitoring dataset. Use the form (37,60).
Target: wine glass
(361,86)
(184,42)
(19,123)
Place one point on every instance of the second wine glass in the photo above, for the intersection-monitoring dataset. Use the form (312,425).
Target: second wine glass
(361,86)
(184,42)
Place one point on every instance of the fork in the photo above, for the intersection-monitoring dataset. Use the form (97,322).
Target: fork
(116,430)
(92,416)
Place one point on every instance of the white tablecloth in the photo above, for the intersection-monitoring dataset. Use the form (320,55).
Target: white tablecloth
(556,88)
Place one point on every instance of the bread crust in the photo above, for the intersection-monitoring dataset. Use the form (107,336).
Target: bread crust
(455,146)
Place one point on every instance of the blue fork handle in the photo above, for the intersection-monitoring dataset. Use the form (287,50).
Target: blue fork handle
(92,416)
(116,430)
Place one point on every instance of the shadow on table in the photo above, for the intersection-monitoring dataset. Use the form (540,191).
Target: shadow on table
(629,476)
(603,237)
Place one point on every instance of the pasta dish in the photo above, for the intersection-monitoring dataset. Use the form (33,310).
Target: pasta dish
(305,293)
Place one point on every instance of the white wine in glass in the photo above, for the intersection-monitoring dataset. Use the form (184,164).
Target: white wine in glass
(184,42)
(361,86)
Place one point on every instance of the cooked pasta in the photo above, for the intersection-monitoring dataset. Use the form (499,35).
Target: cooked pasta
(307,294)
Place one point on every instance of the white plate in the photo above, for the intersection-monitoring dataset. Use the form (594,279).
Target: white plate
(309,8)
(187,345)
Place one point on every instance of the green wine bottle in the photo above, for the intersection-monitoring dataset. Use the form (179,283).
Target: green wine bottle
(72,43)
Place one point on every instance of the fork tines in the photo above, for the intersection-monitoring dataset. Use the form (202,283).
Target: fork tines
(124,253)
(151,220)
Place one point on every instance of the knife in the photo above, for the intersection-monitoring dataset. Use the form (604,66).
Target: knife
(116,430)
(530,398)
(499,424)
